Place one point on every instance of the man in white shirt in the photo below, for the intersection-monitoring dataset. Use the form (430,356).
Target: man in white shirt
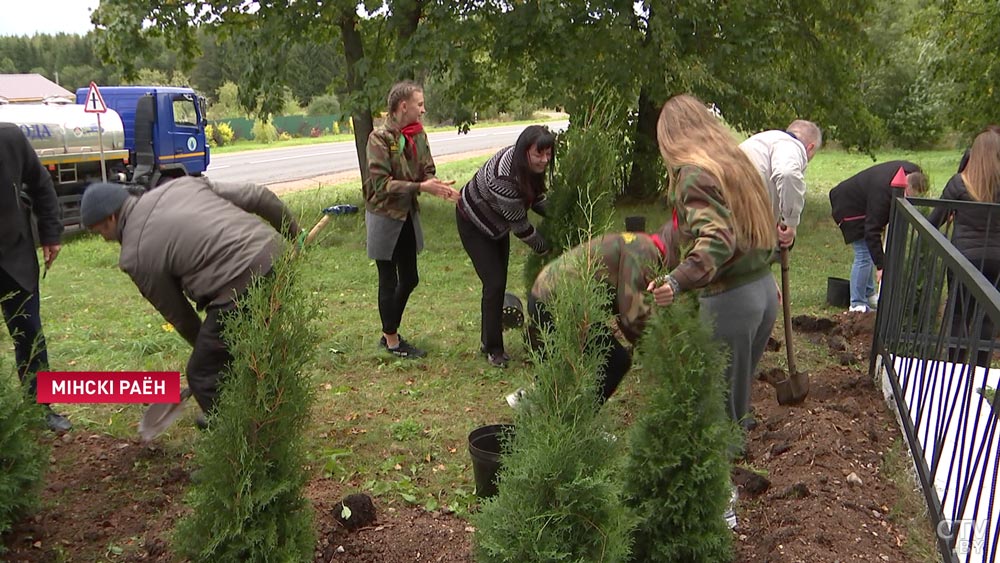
(781,158)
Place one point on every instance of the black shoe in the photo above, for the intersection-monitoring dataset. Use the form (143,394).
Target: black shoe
(56,422)
(504,356)
(404,350)
(498,360)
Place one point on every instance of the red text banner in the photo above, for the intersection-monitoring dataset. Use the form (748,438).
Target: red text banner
(109,387)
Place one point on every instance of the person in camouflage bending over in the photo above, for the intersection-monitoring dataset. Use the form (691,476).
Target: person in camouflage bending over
(400,166)
(625,263)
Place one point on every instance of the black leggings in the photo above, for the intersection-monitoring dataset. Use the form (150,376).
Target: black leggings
(489,257)
(617,360)
(397,278)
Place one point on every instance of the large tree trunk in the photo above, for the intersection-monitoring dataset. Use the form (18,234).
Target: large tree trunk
(645,179)
(354,53)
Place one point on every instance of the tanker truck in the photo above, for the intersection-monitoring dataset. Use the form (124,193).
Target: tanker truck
(150,134)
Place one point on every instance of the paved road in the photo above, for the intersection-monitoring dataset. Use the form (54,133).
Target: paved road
(268,166)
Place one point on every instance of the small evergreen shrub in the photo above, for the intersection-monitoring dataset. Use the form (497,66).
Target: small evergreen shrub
(22,455)
(222,134)
(559,486)
(264,131)
(677,473)
(583,188)
(209,135)
(248,504)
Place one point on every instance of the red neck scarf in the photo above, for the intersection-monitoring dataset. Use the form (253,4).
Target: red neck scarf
(409,131)
(659,244)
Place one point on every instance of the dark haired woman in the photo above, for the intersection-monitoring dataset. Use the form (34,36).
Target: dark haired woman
(493,204)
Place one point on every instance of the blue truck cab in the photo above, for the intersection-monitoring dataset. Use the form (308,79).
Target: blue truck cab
(164,130)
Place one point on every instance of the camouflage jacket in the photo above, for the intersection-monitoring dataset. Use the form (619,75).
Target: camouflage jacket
(626,262)
(394,175)
(702,250)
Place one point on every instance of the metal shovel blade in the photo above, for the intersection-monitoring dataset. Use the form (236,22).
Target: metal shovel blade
(158,417)
(793,389)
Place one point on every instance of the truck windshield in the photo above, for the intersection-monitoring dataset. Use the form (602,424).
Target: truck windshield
(184,111)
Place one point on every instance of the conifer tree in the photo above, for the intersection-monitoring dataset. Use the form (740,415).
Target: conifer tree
(22,455)
(248,502)
(677,473)
(559,491)
(586,181)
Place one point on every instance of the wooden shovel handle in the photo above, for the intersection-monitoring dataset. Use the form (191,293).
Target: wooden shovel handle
(787,312)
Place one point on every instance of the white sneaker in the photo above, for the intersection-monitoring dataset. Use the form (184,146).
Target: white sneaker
(730,514)
(515,398)
(858,309)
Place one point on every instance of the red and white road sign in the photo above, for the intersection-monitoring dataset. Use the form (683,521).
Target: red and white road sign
(95,103)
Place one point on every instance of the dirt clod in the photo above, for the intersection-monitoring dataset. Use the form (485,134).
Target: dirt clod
(807,323)
(360,511)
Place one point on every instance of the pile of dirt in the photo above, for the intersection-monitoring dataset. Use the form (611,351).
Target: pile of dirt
(827,499)
(822,496)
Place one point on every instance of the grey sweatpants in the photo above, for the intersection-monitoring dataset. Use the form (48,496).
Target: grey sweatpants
(742,319)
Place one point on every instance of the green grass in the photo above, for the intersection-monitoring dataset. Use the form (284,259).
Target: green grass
(394,427)
(250,145)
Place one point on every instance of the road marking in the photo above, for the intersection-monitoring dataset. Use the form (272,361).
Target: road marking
(302,156)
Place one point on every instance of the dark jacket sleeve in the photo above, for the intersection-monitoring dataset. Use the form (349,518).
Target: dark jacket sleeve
(876,218)
(45,204)
(952,190)
(166,295)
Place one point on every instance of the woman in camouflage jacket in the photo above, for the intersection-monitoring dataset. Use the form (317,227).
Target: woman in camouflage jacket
(400,166)
(722,238)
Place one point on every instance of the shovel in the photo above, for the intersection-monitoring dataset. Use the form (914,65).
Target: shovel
(159,416)
(794,388)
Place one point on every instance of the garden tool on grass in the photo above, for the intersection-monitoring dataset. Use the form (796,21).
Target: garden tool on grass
(159,416)
(794,388)
(343,209)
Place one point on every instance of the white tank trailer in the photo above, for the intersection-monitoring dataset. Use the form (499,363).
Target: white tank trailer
(67,142)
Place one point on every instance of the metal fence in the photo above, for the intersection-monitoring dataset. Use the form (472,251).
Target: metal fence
(933,345)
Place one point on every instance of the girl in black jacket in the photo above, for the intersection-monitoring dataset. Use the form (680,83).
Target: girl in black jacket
(977,231)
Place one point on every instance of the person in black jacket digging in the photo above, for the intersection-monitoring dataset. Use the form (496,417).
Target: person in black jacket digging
(860,206)
(976,234)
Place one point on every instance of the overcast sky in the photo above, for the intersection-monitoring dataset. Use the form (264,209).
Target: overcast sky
(46,16)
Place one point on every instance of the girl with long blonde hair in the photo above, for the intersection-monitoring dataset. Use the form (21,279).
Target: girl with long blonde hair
(721,238)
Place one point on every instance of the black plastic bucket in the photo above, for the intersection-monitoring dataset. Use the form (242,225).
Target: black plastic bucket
(484,447)
(838,292)
(513,311)
(635,224)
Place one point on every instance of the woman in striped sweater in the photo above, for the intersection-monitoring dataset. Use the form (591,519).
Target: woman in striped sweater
(493,204)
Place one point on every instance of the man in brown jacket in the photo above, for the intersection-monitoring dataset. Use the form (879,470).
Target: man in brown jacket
(193,240)
(400,166)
